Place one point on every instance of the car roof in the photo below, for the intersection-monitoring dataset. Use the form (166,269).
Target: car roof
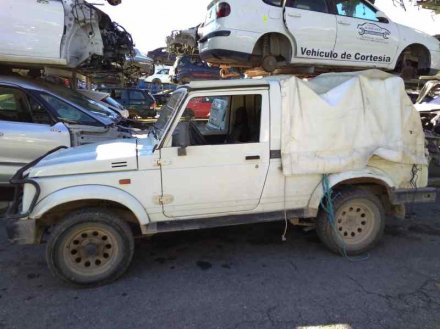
(95,95)
(254,82)
(24,82)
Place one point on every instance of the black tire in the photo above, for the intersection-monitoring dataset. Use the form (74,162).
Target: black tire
(90,247)
(269,63)
(359,222)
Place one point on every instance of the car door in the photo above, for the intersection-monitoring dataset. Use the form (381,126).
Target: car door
(313,27)
(31,28)
(361,38)
(26,131)
(220,170)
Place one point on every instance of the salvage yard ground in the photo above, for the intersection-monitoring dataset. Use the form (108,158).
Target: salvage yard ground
(240,277)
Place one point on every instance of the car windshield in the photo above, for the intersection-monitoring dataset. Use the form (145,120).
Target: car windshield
(168,110)
(113,102)
(86,103)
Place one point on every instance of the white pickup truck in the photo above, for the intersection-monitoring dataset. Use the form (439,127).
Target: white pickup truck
(272,149)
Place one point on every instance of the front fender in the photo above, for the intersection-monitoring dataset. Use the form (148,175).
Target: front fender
(91,192)
(368,175)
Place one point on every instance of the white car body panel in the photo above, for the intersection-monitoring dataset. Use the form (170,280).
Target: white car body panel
(308,28)
(38,29)
(70,33)
(87,192)
(31,139)
(368,42)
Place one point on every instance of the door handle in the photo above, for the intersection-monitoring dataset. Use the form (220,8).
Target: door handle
(294,15)
(343,23)
(252,157)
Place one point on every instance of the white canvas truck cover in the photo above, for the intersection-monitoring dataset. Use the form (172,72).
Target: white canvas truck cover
(338,121)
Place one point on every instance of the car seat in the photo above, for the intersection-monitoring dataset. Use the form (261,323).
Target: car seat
(240,129)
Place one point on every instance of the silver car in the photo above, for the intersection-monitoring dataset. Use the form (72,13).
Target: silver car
(36,117)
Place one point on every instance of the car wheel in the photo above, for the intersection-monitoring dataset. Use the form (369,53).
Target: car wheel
(269,63)
(359,222)
(91,246)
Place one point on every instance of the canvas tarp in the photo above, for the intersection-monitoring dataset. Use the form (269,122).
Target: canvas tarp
(338,121)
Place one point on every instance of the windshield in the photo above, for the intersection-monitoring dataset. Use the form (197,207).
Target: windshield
(168,110)
(113,102)
(86,103)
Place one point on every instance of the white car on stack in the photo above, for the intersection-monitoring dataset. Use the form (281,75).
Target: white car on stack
(68,33)
(318,33)
(162,75)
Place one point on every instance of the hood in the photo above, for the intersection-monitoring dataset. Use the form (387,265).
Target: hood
(115,155)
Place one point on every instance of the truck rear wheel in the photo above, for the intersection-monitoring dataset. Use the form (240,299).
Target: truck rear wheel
(359,222)
(90,247)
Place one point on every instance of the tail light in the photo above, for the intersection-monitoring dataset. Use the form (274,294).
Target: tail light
(223,9)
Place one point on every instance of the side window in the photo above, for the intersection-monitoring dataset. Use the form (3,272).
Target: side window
(137,97)
(39,113)
(211,120)
(68,113)
(356,9)
(14,106)
(313,5)
(116,94)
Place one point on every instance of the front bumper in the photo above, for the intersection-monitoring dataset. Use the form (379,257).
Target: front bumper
(229,47)
(22,231)
(19,228)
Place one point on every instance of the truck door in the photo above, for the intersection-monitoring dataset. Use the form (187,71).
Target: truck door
(313,27)
(224,167)
(26,131)
(361,37)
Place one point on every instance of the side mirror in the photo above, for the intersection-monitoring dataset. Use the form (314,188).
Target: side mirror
(380,15)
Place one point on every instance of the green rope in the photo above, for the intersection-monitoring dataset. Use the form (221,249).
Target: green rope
(328,207)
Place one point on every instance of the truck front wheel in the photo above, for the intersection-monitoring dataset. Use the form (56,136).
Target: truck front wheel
(358,224)
(91,246)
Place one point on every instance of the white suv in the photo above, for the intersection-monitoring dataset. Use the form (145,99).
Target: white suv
(320,33)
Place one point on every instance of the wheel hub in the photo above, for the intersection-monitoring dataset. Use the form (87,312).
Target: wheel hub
(90,251)
(354,223)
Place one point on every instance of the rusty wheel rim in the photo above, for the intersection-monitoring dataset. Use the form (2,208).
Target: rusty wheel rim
(355,221)
(91,251)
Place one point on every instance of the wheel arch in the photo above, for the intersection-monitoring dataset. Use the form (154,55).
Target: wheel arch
(416,49)
(279,42)
(54,206)
(377,183)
